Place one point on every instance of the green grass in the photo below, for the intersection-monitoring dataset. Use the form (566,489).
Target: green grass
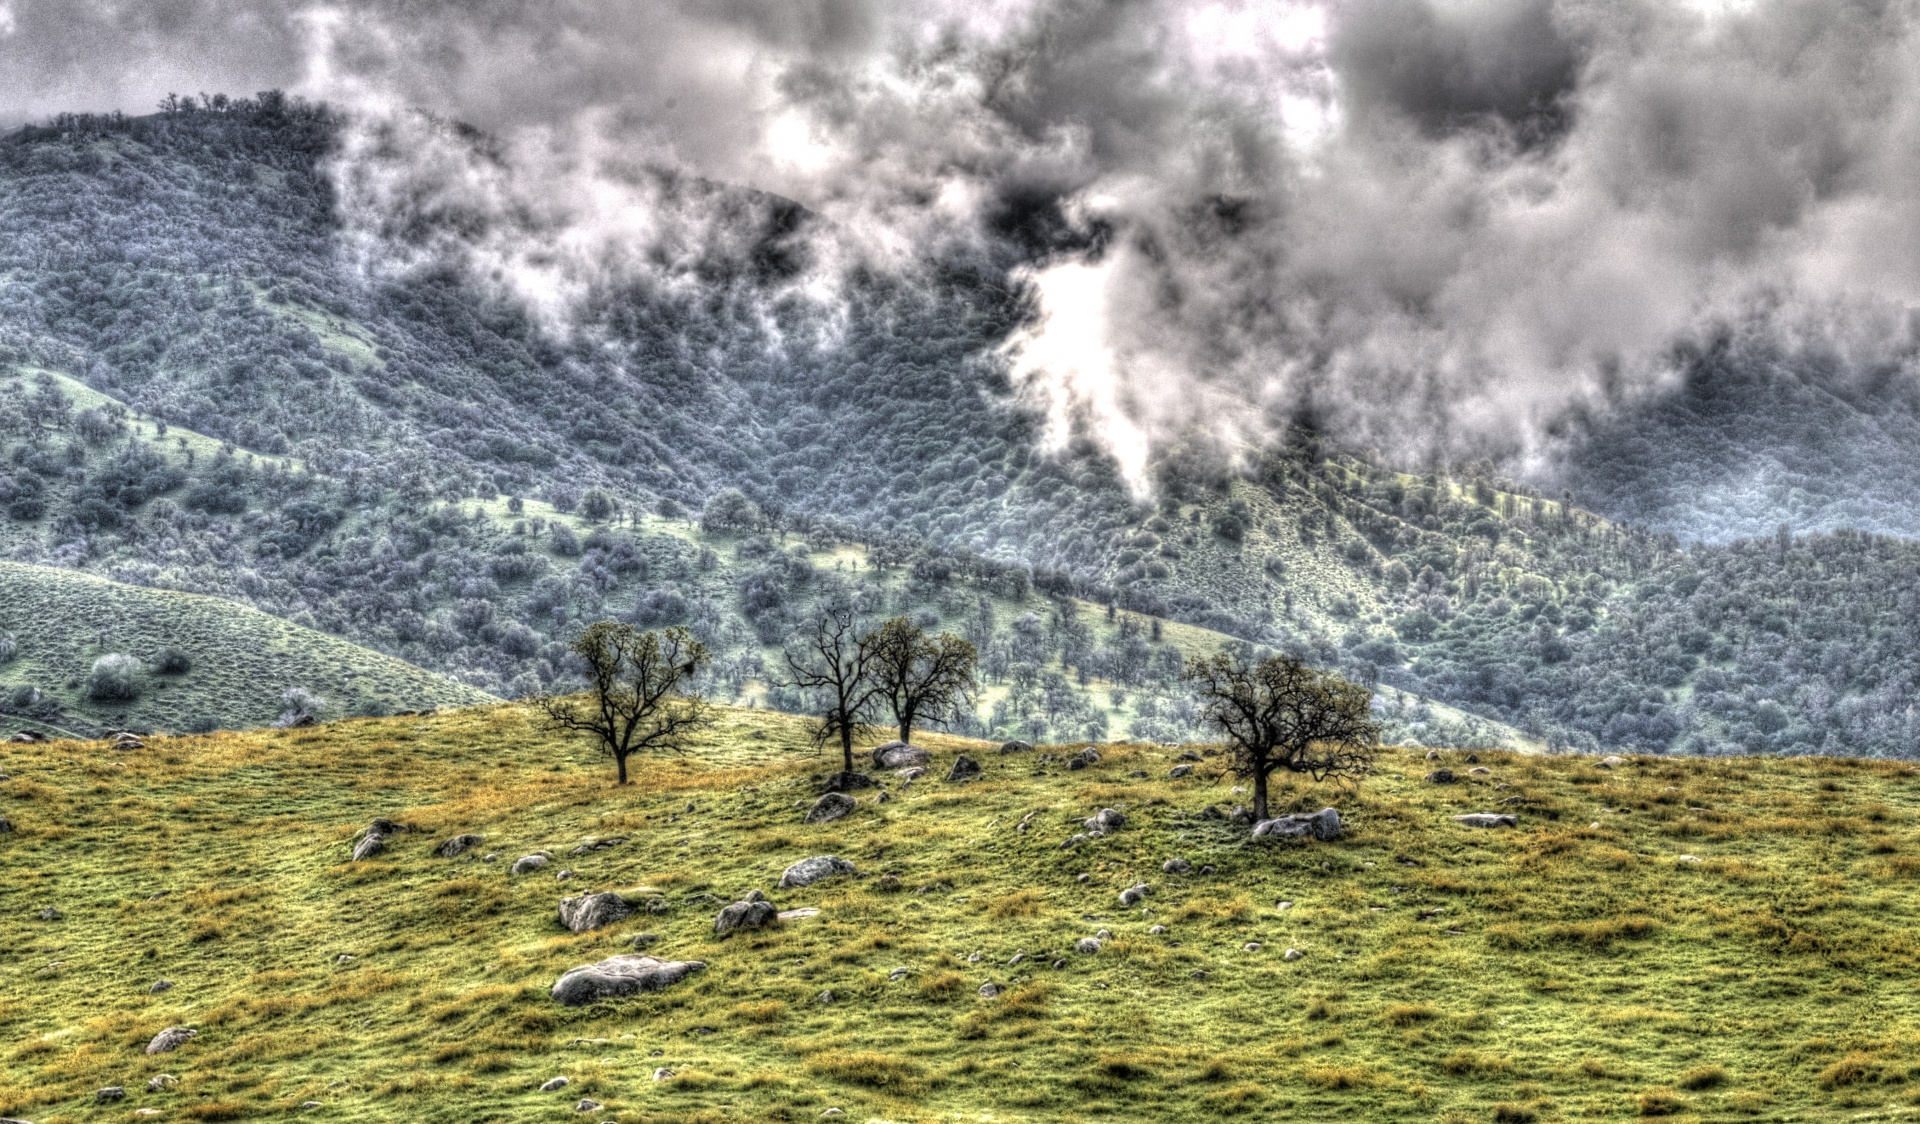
(1558,972)
(242,659)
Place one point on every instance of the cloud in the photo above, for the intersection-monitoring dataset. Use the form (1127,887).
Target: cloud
(1434,226)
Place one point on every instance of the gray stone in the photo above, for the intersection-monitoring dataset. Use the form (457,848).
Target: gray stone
(1179,771)
(371,844)
(161,1082)
(1087,945)
(1610,761)
(1480,771)
(1084,758)
(170,1039)
(824,997)
(1158,930)
(160,986)
(909,775)
(6,825)
(587,1104)
(745,915)
(1176,866)
(1487,819)
(593,911)
(1106,819)
(1072,842)
(1440,776)
(110,1093)
(50,914)
(644,940)
(563,876)
(899,755)
(527,864)
(1016,747)
(1251,946)
(1323,825)
(662,1074)
(555,1085)
(844,781)
(829,808)
(458,845)
(818,868)
(1135,894)
(1293,954)
(627,974)
(989,990)
(964,769)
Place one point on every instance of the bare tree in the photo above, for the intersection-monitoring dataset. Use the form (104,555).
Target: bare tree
(831,663)
(919,677)
(1281,714)
(639,698)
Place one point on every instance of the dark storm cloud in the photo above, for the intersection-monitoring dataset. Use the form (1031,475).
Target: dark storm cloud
(1434,224)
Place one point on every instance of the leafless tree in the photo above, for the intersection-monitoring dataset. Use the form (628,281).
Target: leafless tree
(1281,714)
(640,698)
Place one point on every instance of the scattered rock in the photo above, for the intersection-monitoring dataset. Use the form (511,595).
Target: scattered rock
(587,1104)
(909,775)
(626,974)
(1241,815)
(1441,776)
(899,755)
(563,876)
(170,1039)
(1179,771)
(160,986)
(824,997)
(1087,945)
(1059,964)
(1084,758)
(161,1082)
(818,868)
(1135,894)
(898,974)
(1689,858)
(662,1074)
(1292,954)
(555,1085)
(830,807)
(844,781)
(1251,946)
(1083,877)
(1016,747)
(593,911)
(26,737)
(1072,842)
(110,1093)
(989,990)
(1323,825)
(1610,761)
(1105,820)
(1176,866)
(371,844)
(1487,819)
(964,769)
(1208,869)
(458,845)
(50,914)
(797,914)
(1433,755)
(745,915)
(1017,958)
(592,845)
(527,864)
(309,1106)
(1480,771)
(1104,934)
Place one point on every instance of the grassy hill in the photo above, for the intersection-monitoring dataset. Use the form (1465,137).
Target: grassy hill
(238,660)
(1696,939)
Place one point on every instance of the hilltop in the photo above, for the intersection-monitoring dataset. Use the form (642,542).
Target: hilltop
(1692,938)
(202,663)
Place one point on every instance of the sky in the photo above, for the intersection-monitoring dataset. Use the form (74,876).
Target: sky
(1434,226)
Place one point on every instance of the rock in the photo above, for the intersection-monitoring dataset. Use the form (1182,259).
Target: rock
(1480,771)
(662,1074)
(1440,776)
(1251,946)
(170,1039)
(829,808)
(989,990)
(786,915)
(25,737)
(1610,761)
(1283,906)
(563,876)
(1104,934)
(587,1104)
(1433,755)
(1487,819)
(50,914)
(371,844)
(1106,819)
(818,868)
(1241,815)
(627,974)
(161,1082)
(1689,858)
(964,769)
(1158,930)
(1017,958)
(1072,842)
(1189,755)
(593,911)
(1179,771)
(899,755)
(1135,894)
(1087,945)
(527,864)
(1084,758)
(1208,869)
(745,915)
(458,845)
(6,825)
(1292,954)
(1016,747)
(847,782)
(110,1093)
(555,1085)
(1323,825)
(1176,866)
(824,997)
(160,986)
(309,1106)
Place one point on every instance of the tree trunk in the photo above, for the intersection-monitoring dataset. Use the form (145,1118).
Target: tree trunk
(906,730)
(1259,795)
(620,762)
(846,744)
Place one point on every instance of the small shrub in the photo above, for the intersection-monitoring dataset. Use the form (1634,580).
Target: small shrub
(1506,1112)
(170,660)
(864,1067)
(1406,1014)
(942,985)
(1661,1102)
(115,677)
(1705,1077)
(9,647)
(1853,1069)
(1020,903)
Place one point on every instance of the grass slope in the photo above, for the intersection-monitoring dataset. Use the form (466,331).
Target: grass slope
(242,659)
(1558,971)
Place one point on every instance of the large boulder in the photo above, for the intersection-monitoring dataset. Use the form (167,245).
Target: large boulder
(527,864)
(593,911)
(627,974)
(830,807)
(964,769)
(1323,825)
(1017,746)
(1106,819)
(816,869)
(745,915)
(458,845)
(170,1039)
(1487,819)
(1440,776)
(847,782)
(375,840)
(899,755)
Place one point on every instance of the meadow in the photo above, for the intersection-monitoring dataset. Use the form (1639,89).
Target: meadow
(1711,939)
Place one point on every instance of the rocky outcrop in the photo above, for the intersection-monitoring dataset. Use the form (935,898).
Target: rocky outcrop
(458,845)
(816,869)
(593,911)
(745,915)
(170,1039)
(627,974)
(1323,825)
(830,807)
(899,755)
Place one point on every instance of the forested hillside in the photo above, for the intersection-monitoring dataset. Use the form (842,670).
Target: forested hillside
(200,392)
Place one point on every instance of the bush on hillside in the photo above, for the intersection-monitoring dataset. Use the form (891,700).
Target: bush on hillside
(114,677)
(299,706)
(731,511)
(170,660)
(9,647)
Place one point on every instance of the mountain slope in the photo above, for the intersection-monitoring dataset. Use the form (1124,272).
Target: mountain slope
(1726,941)
(238,662)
